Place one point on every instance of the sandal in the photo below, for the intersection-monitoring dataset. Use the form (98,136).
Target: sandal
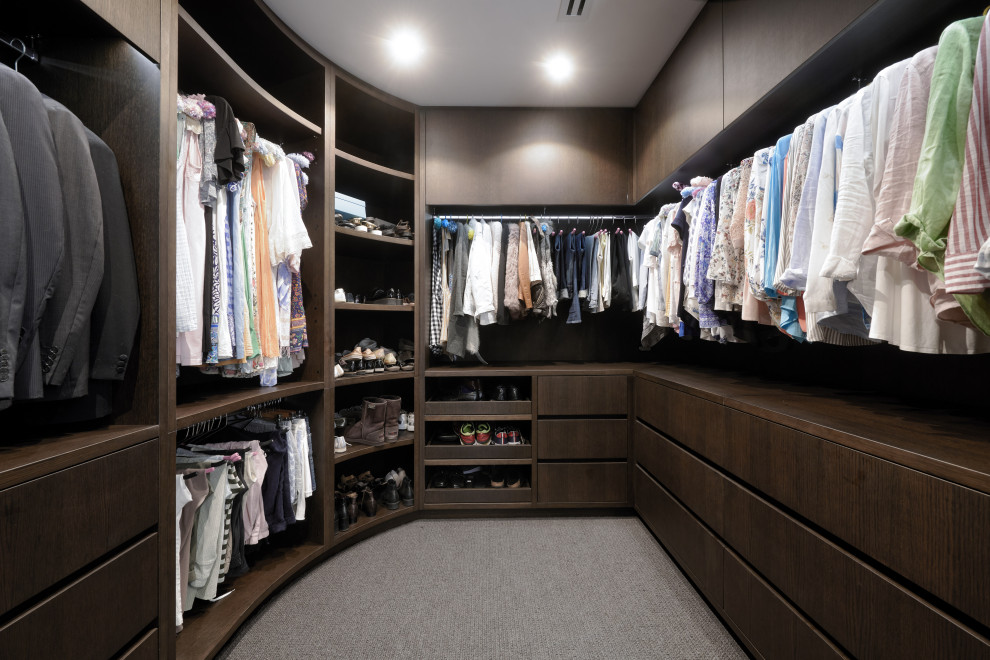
(390,362)
(483,433)
(466,433)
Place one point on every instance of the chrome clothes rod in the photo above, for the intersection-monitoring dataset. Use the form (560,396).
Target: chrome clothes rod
(543,217)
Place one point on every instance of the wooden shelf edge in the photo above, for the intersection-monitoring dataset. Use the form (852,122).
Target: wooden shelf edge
(477,506)
(373,307)
(477,461)
(368,236)
(187,414)
(185,18)
(364,524)
(481,417)
(373,166)
(354,380)
(406,438)
(47,455)
(203,636)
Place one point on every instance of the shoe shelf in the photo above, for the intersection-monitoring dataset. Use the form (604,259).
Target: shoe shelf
(345,235)
(481,417)
(477,495)
(33,457)
(445,454)
(406,438)
(205,633)
(364,523)
(373,307)
(373,166)
(467,409)
(344,380)
(206,68)
(211,405)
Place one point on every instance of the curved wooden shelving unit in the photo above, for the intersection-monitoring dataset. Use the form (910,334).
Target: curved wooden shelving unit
(374,166)
(212,405)
(406,439)
(374,378)
(206,67)
(203,635)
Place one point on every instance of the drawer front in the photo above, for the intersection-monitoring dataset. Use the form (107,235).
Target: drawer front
(145,649)
(690,480)
(692,421)
(696,549)
(920,526)
(769,623)
(95,616)
(593,483)
(583,395)
(866,613)
(582,438)
(55,525)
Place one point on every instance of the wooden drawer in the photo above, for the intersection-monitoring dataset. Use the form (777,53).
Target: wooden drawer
(145,648)
(55,525)
(922,527)
(770,625)
(582,395)
(865,612)
(582,438)
(593,483)
(691,481)
(698,551)
(95,616)
(692,421)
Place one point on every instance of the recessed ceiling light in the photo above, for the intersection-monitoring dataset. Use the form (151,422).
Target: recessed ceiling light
(406,46)
(559,67)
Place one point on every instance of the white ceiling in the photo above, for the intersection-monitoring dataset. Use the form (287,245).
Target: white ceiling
(488,52)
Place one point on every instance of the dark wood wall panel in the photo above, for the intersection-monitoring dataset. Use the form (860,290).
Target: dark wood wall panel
(765,41)
(138,20)
(682,109)
(506,156)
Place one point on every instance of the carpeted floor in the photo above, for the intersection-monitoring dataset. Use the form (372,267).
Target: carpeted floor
(480,589)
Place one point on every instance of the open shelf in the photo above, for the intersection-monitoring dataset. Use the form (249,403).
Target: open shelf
(345,236)
(220,403)
(477,454)
(385,196)
(203,635)
(375,127)
(372,307)
(33,458)
(365,523)
(357,380)
(204,67)
(499,409)
(374,166)
(477,495)
(406,438)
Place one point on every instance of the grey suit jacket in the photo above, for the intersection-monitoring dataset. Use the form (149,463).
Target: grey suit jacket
(13,266)
(65,324)
(24,114)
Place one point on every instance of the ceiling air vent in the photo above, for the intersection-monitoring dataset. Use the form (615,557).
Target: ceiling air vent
(573,9)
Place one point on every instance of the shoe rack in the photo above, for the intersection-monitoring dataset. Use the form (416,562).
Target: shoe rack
(375,160)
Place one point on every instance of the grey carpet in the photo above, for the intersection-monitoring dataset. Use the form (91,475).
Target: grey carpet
(478,589)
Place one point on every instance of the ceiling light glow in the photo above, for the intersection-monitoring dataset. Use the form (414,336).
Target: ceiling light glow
(559,67)
(406,46)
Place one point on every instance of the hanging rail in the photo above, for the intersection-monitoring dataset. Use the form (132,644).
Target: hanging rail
(20,47)
(576,218)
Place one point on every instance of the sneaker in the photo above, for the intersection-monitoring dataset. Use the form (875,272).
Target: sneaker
(339,296)
(410,422)
(402,420)
(483,433)
(515,437)
(466,433)
(340,445)
(338,371)
(501,436)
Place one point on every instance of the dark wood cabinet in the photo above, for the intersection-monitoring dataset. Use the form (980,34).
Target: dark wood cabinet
(562,439)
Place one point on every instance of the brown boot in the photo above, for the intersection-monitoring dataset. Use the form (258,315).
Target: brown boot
(371,429)
(392,405)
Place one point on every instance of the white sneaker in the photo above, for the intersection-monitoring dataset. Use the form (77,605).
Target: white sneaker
(339,296)
(402,420)
(338,371)
(340,445)
(410,422)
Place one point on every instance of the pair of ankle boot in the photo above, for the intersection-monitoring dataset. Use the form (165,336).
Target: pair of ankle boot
(379,423)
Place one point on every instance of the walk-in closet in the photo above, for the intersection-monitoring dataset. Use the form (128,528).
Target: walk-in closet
(538,328)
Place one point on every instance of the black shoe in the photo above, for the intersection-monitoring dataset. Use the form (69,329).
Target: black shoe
(482,480)
(457,480)
(340,512)
(406,492)
(390,498)
(440,480)
(499,394)
(513,479)
(352,507)
(369,506)
(513,393)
